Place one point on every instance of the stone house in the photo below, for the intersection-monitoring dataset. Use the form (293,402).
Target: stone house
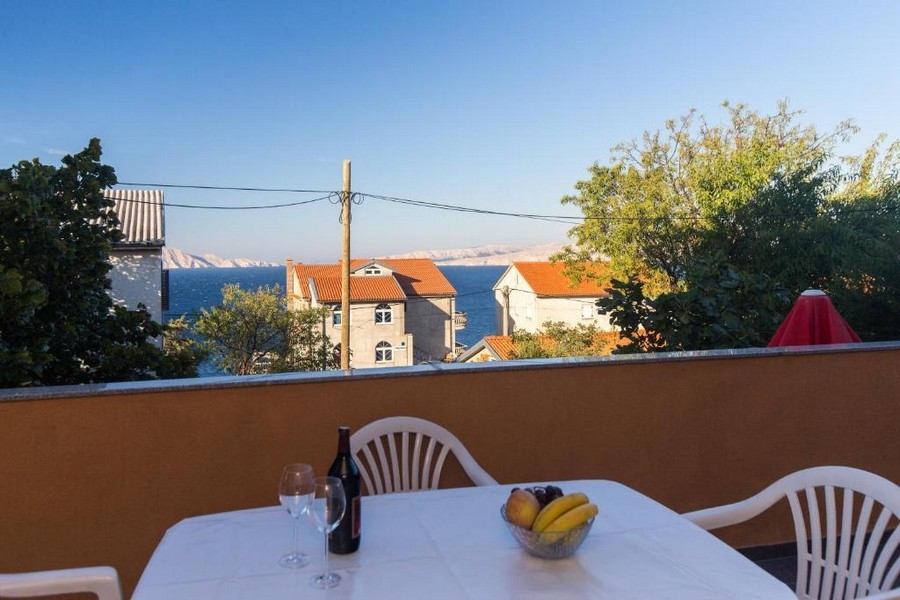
(402,310)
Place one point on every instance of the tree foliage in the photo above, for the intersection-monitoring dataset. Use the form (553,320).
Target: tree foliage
(59,325)
(762,201)
(720,308)
(252,332)
(558,340)
(181,347)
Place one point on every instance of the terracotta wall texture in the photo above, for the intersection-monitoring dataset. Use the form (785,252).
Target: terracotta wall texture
(96,474)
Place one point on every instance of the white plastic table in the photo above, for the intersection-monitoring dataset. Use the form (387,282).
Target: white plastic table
(453,544)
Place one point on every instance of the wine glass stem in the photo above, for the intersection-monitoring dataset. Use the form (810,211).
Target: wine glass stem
(296,536)
(326,560)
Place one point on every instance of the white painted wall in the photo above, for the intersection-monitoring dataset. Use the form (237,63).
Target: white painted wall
(137,278)
(365,334)
(430,321)
(528,312)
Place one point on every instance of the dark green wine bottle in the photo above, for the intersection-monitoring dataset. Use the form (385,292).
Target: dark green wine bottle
(345,538)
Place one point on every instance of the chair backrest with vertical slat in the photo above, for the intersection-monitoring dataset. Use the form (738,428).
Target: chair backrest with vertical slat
(848,540)
(398,454)
(847,524)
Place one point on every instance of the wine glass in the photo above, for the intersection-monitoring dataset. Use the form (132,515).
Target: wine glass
(326,509)
(294,492)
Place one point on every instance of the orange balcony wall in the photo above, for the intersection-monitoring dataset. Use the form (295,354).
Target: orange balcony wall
(96,474)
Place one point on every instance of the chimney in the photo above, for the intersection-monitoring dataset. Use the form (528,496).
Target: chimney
(289,281)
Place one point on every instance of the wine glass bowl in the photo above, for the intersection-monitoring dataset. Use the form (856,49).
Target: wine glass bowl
(548,544)
(294,490)
(327,505)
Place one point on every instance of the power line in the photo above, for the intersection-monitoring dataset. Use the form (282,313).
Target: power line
(330,196)
(480,211)
(357,198)
(227,188)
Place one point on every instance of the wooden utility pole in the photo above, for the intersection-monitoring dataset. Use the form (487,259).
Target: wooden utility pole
(345,271)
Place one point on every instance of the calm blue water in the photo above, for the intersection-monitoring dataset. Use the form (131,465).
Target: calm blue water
(193,289)
(475,297)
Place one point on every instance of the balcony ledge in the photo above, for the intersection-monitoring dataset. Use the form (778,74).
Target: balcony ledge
(233,381)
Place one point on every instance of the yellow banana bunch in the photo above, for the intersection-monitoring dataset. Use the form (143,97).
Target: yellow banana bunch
(564,513)
(573,518)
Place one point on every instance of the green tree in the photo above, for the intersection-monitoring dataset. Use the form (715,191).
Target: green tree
(652,208)
(252,332)
(59,325)
(180,347)
(309,349)
(762,201)
(555,339)
(720,308)
(130,354)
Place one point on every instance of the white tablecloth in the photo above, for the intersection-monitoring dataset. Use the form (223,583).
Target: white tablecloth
(453,544)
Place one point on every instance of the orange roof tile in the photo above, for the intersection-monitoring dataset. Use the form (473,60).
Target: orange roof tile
(548,279)
(362,289)
(411,277)
(306,272)
(501,345)
(417,276)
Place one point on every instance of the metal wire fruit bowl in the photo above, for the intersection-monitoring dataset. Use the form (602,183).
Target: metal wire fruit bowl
(554,544)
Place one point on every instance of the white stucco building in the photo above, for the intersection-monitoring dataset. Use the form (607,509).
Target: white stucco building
(529,294)
(137,271)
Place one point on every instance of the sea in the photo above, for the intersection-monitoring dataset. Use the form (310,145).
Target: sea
(191,290)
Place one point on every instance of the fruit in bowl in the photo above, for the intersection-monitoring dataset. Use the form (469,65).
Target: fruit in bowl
(522,508)
(548,523)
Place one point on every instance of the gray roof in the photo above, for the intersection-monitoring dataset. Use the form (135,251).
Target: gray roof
(141,216)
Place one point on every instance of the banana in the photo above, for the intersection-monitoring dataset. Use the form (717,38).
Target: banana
(556,509)
(573,518)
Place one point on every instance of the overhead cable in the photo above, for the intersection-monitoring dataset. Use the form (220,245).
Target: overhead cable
(335,196)
(480,211)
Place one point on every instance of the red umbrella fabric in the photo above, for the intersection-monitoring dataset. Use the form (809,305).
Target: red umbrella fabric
(813,320)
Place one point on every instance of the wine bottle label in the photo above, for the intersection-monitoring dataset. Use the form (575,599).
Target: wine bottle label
(355,516)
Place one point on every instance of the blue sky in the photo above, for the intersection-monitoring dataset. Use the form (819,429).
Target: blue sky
(493,105)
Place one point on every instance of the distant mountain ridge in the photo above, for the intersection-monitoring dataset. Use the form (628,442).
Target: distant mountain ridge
(176,259)
(487,255)
(476,256)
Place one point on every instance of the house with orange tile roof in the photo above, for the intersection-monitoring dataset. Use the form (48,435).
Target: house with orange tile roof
(488,349)
(529,294)
(501,347)
(402,310)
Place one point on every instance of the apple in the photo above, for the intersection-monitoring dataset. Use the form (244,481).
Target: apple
(522,507)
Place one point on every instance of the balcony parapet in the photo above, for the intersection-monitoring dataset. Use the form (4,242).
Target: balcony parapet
(690,429)
(234,381)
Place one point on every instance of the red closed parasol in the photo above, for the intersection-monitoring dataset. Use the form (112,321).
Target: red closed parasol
(813,320)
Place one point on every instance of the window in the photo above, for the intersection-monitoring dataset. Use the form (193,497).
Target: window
(372,271)
(384,352)
(336,316)
(383,314)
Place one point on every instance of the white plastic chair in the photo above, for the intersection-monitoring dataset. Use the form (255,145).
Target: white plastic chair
(413,464)
(102,581)
(846,523)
